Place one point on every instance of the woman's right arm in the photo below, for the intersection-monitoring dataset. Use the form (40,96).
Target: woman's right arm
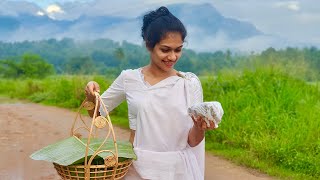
(112,97)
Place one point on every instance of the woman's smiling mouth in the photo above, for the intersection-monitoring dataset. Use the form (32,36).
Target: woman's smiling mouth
(169,63)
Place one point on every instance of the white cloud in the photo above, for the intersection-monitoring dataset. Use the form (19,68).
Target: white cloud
(294,20)
(122,8)
(14,8)
(34,34)
(294,7)
(118,33)
(40,13)
(291,5)
(309,17)
(53,8)
(275,17)
(221,41)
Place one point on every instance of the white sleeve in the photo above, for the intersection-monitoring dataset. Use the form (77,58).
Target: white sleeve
(114,95)
(194,89)
(196,96)
(197,90)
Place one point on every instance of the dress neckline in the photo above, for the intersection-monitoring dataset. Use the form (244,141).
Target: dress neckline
(163,81)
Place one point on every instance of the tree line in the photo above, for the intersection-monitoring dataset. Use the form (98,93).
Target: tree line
(104,56)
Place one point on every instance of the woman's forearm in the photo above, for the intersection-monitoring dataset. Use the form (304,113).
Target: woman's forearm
(195,136)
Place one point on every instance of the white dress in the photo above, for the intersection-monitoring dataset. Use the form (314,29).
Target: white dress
(159,115)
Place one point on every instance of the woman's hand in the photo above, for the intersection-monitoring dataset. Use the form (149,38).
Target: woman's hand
(201,125)
(196,133)
(90,89)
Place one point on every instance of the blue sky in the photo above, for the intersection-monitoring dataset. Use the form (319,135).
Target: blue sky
(297,20)
(294,19)
(46,3)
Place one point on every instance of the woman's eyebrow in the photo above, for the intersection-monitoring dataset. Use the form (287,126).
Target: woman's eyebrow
(171,47)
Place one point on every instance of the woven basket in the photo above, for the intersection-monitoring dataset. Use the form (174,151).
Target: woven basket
(97,172)
(112,168)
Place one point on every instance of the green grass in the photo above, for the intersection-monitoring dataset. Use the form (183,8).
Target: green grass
(61,91)
(271,122)
(271,119)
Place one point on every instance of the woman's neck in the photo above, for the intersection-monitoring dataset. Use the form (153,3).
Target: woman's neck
(155,72)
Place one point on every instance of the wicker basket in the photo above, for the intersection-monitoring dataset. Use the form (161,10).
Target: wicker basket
(112,168)
(97,172)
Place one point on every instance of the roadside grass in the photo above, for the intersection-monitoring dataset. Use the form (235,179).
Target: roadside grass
(62,91)
(271,122)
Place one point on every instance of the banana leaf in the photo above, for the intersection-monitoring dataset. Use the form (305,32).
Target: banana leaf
(71,151)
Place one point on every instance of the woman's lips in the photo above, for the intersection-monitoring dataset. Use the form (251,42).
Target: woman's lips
(169,63)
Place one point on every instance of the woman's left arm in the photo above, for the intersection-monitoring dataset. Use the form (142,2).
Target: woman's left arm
(196,133)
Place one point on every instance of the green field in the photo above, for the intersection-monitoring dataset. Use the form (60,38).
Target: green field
(271,119)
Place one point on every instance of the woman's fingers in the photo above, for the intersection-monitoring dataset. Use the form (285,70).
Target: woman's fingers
(90,90)
(92,87)
(193,118)
(197,122)
(200,123)
(204,125)
(212,126)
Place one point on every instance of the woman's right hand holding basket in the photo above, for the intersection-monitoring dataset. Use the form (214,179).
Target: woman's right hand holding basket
(90,90)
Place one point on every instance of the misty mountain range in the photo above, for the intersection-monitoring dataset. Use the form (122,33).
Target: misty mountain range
(207,28)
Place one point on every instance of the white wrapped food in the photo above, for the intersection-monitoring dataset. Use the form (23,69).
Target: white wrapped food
(209,111)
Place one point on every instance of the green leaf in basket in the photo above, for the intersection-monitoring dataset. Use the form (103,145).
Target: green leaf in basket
(72,151)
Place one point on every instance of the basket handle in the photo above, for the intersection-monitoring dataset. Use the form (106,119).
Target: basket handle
(100,122)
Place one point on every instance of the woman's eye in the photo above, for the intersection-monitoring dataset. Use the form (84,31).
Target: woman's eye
(165,50)
(168,50)
(177,50)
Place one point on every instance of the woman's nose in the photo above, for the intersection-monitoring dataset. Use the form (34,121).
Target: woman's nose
(172,56)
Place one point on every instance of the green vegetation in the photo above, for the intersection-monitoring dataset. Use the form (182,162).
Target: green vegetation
(30,66)
(63,91)
(271,119)
(271,100)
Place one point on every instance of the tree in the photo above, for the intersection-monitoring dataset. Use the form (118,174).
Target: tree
(33,66)
(10,69)
(80,65)
(30,66)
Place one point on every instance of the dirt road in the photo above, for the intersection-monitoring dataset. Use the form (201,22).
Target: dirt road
(27,127)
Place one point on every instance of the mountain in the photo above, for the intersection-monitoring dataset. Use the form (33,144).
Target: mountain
(210,22)
(207,28)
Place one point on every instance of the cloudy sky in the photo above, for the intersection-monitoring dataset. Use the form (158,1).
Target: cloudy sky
(297,20)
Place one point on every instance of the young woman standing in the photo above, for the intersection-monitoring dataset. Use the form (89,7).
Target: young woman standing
(169,144)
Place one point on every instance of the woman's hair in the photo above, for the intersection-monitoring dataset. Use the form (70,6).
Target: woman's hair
(156,24)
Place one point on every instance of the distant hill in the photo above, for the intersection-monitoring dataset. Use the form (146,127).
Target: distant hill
(204,24)
(210,22)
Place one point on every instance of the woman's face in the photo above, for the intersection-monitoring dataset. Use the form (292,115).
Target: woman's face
(167,52)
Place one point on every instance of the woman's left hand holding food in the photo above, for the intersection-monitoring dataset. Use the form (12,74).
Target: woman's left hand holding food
(201,124)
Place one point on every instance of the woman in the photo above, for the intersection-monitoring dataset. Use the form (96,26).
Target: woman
(169,144)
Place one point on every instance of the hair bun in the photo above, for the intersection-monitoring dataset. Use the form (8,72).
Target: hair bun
(153,15)
(162,11)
